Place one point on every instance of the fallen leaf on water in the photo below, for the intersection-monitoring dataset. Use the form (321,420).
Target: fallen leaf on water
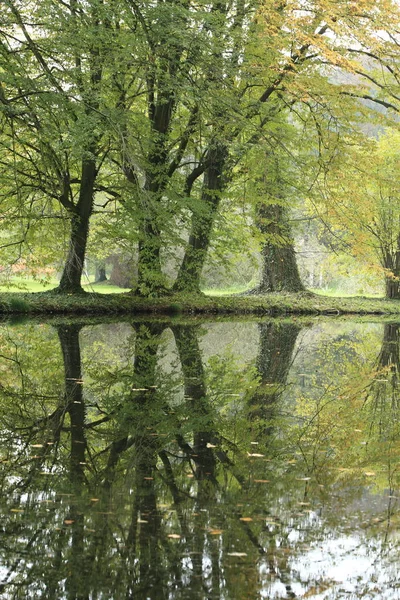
(174,536)
(215,531)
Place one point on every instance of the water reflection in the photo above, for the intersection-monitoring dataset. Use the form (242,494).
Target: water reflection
(146,460)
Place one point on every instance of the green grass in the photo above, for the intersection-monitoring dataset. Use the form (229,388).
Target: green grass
(336,293)
(238,289)
(20,285)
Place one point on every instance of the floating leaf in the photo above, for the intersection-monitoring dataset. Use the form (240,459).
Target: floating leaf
(215,531)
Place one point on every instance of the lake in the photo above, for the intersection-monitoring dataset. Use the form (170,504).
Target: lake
(226,460)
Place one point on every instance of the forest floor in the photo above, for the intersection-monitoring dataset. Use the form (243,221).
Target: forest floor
(306,303)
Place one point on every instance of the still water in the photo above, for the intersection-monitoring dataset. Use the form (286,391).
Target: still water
(225,460)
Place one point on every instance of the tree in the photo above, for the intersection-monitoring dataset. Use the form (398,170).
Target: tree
(361,205)
(292,74)
(58,99)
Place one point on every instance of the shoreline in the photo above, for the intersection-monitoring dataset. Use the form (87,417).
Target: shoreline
(274,304)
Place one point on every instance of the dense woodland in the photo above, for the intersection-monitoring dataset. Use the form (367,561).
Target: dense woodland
(163,136)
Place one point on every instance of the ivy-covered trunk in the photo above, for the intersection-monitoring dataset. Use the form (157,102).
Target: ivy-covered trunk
(150,276)
(188,279)
(70,281)
(279,270)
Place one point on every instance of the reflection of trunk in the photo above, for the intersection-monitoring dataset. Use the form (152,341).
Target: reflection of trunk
(279,271)
(152,576)
(195,393)
(69,340)
(188,278)
(277,342)
(139,425)
(202,454)
(70,281)
(76,585)
(387,387)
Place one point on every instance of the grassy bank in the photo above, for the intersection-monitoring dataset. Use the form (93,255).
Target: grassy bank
(125,303)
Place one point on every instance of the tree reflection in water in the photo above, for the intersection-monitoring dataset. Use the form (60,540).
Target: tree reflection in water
(122,480)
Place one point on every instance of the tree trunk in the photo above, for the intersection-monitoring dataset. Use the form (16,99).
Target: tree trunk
(279,271)
(391,263)
(188,279)
(101,274)
(124,270)
(70,281)
(392,288)
(151,280)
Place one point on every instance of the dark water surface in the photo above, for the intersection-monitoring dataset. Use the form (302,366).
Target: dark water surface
(230,460)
